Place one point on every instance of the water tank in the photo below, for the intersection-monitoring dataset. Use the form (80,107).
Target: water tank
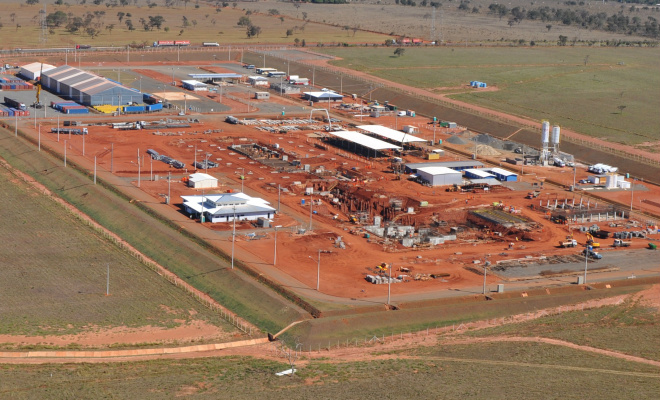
(610,181)
(556,130)
(545,132)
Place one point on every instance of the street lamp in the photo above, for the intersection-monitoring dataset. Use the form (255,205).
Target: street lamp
(242,178)
(275,251)
(233,239)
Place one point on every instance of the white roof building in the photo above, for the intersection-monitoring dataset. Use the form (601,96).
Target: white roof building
(194,85)
(440,176)
(33,71)
(200,180)
(225,206)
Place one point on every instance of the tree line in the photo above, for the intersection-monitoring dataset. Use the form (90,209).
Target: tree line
(616,23)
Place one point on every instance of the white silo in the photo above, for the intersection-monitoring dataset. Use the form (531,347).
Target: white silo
(545,134)
(545,138)
(556,131)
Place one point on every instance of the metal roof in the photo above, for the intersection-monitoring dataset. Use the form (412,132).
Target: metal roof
(215,76)
(321,95)
(85,82)
(38,67)
(448,164)
(500,171)
(192,82)
(438,171)
(480,173)
(364,140)
(397,136)
(231,203)
(199,177)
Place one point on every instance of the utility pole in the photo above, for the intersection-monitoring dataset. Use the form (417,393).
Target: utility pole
(138,163)
(279,194)
(107,282)
(112,156)
(39,137)
(275,251)
(485,269)
(389,285)
(311,204)
(169,183)
(95,170)
(233,239)
(64,151)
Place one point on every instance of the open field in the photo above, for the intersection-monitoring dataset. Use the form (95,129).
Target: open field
(601,327)
(153,238)
(53,276)
(204,25)
(538,83)
(473,371)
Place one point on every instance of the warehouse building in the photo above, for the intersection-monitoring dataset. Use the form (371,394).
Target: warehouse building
(474,174)
(202,181)
(87,88)
(503,175)
(195,86)
(33,71)
(411,168)
(225,207)
(440,176)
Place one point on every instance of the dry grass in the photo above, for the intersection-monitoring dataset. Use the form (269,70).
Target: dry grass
(206,25)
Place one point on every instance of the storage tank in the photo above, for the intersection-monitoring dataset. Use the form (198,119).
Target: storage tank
(610,181)
(545,132)
(556,130)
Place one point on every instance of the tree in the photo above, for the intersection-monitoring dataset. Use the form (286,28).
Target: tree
(129,25)
(399,51)
(281,20)
(56,19)
(548,27)
(110,27)
(244,21)
(303,44)
(273,12)
(621,108)
(296,42)
(304,15)
(31,2)
(562,40)
(289,32)
(156,21)
(253,30)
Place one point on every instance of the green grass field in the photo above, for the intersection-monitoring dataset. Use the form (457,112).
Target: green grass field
(631,328)
(53,275)
(192,263)
(539,83)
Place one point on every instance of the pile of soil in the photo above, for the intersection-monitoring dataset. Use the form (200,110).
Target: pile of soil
(456,140)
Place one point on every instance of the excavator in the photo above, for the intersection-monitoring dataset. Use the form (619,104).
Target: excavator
(383,267)
(37,104)
(591,242)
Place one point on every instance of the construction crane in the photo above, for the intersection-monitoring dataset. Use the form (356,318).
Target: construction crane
(37,104)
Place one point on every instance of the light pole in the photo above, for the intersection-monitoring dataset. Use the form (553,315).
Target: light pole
(311,204)
(201,217)
(242,178)
(173,82)
(313,74)
(169,182)
(275,251)
(233,239)
(138,164)
(279,194)
(95,170)
(632,191)
(586,261)
(39,137)
(485,269)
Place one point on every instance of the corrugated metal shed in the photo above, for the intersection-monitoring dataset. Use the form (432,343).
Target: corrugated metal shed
(87,88)
(456,165)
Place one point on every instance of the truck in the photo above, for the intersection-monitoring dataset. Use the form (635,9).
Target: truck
(73,131)
(592,254)
(15,104)
(533,195)
(211,44)
(621,243)
(161,43)
(568,243)
(150,98)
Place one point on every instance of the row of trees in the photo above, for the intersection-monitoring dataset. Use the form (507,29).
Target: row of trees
(618,23)
(251,30)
